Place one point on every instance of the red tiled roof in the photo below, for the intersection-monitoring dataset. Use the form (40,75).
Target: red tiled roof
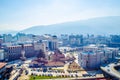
(2,64)
(55,63)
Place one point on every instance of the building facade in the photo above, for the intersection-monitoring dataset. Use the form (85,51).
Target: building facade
(2,55)
(14,52)
(92,58)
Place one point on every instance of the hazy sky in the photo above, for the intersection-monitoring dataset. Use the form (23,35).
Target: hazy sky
(21,14)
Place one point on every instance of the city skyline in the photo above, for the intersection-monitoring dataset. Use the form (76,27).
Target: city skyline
(18,15)
(59,39)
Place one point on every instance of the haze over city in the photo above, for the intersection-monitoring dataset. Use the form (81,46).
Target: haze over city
(22,14)
(60,39)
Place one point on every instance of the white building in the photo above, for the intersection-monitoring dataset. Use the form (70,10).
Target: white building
(38,46)
(87,59)
(92,57)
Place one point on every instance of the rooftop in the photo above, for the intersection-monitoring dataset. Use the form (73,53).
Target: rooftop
(2,64)
(55,63)
(88,53)
(25,45)
(91,46)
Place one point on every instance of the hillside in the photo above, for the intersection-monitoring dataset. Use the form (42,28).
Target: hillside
(101,25)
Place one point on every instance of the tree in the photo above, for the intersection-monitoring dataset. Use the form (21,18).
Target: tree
(41,54)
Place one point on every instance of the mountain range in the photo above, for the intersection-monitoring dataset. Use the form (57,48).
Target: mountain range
(100,25)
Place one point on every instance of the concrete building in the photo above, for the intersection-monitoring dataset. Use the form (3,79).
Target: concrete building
(2,55)
(87,60)
(94,56)
(7,38)
(39,46)
(65,39)
(1,41)
(76,40)
(14,52)
(52,45)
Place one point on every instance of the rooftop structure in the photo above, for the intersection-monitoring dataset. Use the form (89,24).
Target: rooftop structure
(2,70)
(2,64)
(54,64)
(57,59)
(73,67)
(88,53)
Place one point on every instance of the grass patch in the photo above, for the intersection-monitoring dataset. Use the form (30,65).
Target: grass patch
(34,77)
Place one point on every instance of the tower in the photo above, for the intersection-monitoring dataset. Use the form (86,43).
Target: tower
(22,52)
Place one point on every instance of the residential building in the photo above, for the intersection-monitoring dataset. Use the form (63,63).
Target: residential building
(7,38)
(91,57)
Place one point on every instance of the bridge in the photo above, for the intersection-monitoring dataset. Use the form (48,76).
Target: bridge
(110,71)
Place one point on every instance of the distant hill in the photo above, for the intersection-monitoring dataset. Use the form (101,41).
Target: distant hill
(101,25)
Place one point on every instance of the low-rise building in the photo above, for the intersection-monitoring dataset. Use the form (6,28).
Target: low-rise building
(74,67)
(14,52)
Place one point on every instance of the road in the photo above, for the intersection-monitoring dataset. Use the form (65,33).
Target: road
(109,69)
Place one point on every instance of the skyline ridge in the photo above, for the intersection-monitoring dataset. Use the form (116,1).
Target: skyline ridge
(63,22)
(101,25)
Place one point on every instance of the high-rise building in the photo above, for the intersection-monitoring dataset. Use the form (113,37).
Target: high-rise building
(2,55)
(53,43)
(1,41)
(91,57)
(7,38)
(76,40)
